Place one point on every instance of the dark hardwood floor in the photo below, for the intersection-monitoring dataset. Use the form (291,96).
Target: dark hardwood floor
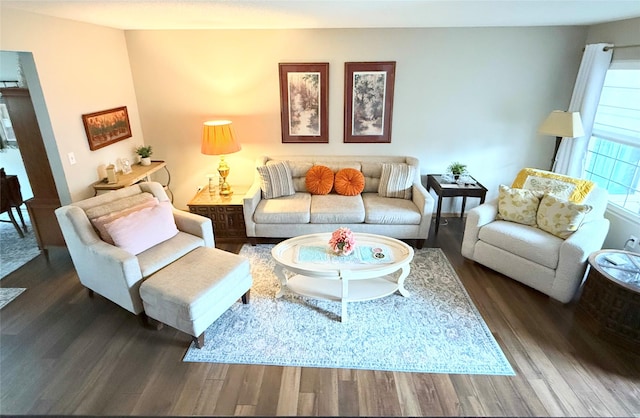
(64,353)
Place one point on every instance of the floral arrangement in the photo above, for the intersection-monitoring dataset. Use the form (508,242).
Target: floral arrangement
(342,241)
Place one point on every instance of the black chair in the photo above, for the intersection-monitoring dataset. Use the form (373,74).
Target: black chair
(11,197)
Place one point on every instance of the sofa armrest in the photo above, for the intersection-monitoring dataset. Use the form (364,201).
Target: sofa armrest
(194,224)
(424,201)
(476,219)
(249,205)
(574,253)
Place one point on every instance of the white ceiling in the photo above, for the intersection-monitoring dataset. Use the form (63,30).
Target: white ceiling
(295,14)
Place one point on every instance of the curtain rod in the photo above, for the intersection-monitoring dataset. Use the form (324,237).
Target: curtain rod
(606,48)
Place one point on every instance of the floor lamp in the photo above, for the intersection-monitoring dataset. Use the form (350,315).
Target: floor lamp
(561,124)
(218,138)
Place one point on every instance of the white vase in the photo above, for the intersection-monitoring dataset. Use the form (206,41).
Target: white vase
(145,161)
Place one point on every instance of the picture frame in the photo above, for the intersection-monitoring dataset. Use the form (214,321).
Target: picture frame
(106,127)
(368,107)
(304,102)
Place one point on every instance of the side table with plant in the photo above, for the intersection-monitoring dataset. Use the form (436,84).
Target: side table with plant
(145,154)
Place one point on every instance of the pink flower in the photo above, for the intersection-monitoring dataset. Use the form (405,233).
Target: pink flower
(342,241)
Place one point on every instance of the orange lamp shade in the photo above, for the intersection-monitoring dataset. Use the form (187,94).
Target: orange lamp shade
(218,138)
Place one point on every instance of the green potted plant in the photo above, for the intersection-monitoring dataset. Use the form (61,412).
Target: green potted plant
(145,154)
(456,168)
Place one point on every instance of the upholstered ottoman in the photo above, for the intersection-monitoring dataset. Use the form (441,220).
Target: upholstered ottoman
(193,291)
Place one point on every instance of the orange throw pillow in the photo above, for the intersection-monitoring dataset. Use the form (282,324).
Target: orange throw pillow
(319,179)
(349,182)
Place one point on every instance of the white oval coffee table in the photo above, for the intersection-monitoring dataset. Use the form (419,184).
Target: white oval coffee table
(317,273)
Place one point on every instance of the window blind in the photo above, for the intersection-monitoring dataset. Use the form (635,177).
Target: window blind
(618,114)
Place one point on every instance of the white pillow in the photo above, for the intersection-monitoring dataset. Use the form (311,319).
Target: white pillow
(396,180)
(275,180)
(143,229)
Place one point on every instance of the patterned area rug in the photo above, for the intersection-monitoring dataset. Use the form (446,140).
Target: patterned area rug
(14,250)
(8,294)
(436,330)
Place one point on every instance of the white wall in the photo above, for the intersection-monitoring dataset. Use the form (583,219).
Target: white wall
(626,32)
(476,95)
(81,68)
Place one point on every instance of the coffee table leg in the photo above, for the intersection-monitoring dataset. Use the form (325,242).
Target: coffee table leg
(283,279)
(403,275)
(345,296)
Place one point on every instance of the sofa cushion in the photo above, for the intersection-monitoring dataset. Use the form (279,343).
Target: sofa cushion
(275,180)
(336,209)
(389,210)
(143,229)
(528,242)
(560,217)
(372,173)
(319,179)
(349,182)
(292,209)
(167,252)
(568,188)
(518,205)
(396,180)
(117,205)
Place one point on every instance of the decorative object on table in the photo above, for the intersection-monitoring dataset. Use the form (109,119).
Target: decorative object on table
(112,176)
(145,152)
(106,127)
(342,241)
(456,169)
(368,106)
(437,330)
(218,138)
(304,102)
(561,125)
(126,165)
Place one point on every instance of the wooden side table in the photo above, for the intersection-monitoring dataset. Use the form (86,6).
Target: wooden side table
(224,211)
(138,173)
(444,189)
(611,296)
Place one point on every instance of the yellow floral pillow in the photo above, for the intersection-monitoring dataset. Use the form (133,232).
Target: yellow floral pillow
(560,217)
(518,205)
(568,188)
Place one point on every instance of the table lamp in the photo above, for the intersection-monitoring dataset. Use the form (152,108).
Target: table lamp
(218,138)
(561,124)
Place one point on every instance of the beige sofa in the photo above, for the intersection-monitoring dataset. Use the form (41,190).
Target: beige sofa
(304,213)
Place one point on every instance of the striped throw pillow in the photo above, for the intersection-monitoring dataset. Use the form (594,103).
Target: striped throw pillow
(396,180)
(275,180)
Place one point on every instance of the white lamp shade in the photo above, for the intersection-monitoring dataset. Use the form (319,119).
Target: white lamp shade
(218,138)
(562,124)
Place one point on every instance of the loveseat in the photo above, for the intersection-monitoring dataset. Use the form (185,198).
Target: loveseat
(393,202)
(540,231)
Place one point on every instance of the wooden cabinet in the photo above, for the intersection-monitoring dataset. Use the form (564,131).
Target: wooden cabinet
(225,213)
(34,156)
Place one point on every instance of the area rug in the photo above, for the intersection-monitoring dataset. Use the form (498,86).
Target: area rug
(7,294)
(435,330)
(14,250)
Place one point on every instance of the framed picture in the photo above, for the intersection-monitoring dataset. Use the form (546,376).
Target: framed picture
(106,127)
(304,104)
(368,107)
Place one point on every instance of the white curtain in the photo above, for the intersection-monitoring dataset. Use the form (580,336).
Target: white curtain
(586,95)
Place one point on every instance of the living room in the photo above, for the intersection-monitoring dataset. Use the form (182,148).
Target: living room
(470,94)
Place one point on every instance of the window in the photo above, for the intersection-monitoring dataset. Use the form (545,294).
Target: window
(613,157)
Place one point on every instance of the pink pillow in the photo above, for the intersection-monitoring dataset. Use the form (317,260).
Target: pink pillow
(143,229)
(100,222)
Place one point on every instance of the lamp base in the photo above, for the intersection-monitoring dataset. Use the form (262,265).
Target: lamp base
(555,152)
(223,169)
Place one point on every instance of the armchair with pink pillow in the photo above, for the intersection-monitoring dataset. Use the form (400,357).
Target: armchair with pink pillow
(118,239)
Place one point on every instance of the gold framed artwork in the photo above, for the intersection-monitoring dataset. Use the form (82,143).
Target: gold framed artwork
(368,106)
(106,127)
(304,104)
